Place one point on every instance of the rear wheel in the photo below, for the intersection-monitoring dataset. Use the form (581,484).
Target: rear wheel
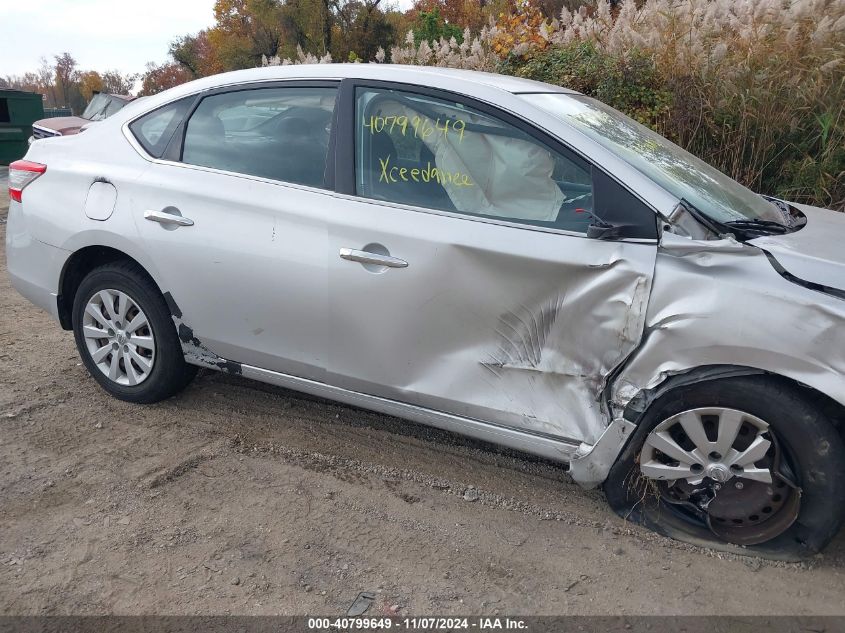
(735,463)
(125,335)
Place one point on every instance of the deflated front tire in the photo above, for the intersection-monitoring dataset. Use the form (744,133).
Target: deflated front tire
(747,464)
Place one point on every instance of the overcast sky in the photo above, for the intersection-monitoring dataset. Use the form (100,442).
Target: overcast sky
(100,34)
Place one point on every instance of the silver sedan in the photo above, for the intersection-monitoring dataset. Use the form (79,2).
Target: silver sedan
(502,258)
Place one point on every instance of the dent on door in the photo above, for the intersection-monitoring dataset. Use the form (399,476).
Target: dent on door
(517,328)
(554,346)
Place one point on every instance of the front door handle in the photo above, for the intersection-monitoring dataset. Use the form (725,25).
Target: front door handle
(162,217)
(366,257)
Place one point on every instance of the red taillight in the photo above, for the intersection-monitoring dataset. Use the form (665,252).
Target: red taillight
(21,173)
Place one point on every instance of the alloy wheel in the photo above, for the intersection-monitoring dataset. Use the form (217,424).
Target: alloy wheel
(119,337)
(725,468)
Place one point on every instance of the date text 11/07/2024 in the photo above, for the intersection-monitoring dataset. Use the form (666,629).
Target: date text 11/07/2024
(416,624)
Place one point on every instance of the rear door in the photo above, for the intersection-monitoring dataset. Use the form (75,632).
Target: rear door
(461,277)
(231,214)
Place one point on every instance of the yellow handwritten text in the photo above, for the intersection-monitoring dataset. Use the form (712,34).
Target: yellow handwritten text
(392,173)
(422,127)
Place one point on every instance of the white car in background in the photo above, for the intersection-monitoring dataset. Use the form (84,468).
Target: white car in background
(498,257)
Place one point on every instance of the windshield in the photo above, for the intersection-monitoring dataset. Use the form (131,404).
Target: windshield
(102,106)
(676,170)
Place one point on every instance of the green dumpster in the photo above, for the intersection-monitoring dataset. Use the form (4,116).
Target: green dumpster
(18,110)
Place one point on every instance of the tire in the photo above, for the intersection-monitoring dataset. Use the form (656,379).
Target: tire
(805,450)
(154,345)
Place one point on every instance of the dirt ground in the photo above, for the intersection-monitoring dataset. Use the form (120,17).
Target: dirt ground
(238,498)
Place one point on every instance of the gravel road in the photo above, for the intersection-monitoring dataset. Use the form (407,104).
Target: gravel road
(239,498)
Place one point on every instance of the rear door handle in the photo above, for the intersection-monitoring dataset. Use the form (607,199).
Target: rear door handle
(366,257)
(167,218)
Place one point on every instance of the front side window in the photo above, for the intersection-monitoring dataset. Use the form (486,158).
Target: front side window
(423,151)
(278,133)
(670,166)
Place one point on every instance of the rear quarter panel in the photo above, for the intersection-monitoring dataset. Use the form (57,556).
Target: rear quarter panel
(53,207)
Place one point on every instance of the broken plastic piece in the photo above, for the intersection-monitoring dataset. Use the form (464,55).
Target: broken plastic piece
(361,604)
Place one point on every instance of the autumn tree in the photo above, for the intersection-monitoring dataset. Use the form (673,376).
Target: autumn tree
(90,83)
(45,78)
(40,81)
(67,91)
(552,8)
(459,14)
(361,28)
(111,81)
(115,82)
(245,30)
(161,77)
(197,54)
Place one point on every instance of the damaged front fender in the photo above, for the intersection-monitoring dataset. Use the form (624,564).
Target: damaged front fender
(718,309)
(722,304)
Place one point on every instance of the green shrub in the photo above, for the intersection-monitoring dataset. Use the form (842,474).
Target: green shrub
(812,167)
(628,84)
(430,27)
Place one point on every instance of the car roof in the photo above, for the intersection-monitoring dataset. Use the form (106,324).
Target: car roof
(407,74)
(433,76)
(469,82)
(395,72)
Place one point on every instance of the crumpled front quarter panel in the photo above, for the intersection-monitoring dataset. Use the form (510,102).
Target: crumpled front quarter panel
(723,303)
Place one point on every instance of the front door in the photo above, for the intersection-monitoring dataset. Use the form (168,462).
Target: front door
(461,278)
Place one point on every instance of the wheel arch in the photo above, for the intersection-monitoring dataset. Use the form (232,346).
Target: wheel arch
(77,266)
(592,463)
(87,258)
(640,403)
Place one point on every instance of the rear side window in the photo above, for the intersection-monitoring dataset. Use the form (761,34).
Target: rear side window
(155,129)
(440,154)
(278,133)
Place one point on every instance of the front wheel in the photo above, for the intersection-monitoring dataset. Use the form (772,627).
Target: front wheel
(126,337)
(735,463)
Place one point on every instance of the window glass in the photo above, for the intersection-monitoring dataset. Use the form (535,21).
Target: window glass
(102,106)
(429,152)
(671,167)
(155,129)
(278,133)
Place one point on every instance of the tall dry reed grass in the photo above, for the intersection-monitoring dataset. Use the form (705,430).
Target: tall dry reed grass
(755,87)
